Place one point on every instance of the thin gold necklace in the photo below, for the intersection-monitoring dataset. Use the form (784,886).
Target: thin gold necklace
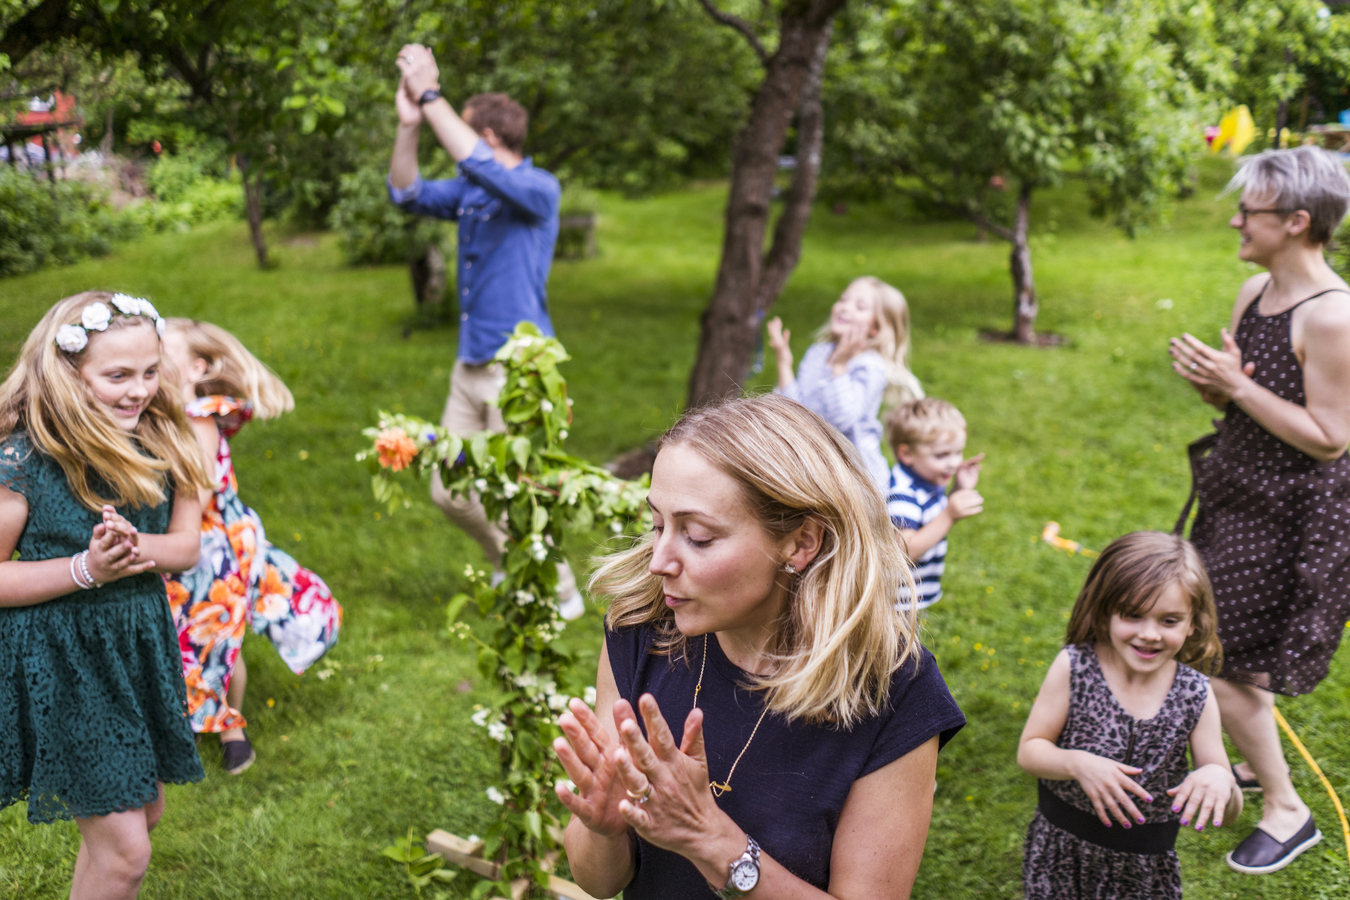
(719,789)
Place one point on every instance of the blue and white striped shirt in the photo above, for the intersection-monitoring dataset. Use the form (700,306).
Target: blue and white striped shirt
(912,502)
(851,402)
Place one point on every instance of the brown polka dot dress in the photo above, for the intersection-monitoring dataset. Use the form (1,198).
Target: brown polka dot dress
(1272,530)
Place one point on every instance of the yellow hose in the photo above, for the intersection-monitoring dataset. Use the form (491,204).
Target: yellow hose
(1312,763)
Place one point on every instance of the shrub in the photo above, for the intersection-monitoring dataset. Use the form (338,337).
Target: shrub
(43,223)
(373,230)
(187,194)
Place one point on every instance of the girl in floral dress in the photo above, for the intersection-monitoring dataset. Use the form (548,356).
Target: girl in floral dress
(241,578)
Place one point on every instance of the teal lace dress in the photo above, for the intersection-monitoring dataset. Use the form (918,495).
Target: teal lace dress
(93,709)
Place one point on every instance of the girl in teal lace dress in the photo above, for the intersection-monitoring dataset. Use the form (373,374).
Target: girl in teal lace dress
(99,476)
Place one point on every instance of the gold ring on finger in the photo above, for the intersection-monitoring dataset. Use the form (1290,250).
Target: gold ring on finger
(642,797)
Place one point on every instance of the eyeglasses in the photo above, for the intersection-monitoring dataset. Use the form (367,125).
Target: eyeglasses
(1244,212)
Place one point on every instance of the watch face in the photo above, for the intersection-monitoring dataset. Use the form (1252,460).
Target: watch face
(745,875)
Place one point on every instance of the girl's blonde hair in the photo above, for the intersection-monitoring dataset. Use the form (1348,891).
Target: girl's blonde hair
(840,639)
(1129,577)
(45,395)
(891,342)
(232,370)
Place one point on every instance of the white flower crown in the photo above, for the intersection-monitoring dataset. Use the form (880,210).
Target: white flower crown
(97,317)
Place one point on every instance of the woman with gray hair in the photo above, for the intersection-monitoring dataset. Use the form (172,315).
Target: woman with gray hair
(1274,481)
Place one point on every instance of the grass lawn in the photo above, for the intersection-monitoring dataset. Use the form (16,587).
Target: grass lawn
(1091,434)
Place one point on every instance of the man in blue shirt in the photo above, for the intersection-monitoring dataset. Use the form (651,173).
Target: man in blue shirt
(507,212)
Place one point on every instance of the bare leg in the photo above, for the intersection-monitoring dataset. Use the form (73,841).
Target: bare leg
(1249,718)
(115,852)
(234,695)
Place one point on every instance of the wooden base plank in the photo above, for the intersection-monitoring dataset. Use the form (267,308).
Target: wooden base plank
(469,855)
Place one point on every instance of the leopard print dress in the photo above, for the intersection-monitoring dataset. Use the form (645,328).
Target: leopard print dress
(1060,866)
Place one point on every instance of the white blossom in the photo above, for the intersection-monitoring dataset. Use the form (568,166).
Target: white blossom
(527,680)
(160,328)
(480,718)
(589,695)
(510,489)
(480,485)
(524,598)
(496,796)
(497,731)
(96,317)
(538,551)
(71,338)
(546,406)
(128,305)
(147,309)
(558,702)
(325,674)
(562,435)
(616,527)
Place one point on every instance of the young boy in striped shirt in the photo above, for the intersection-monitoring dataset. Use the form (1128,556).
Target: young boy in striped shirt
(929,439)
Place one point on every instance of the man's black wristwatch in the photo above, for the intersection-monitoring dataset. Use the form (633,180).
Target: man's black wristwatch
(744,872)
(428,95)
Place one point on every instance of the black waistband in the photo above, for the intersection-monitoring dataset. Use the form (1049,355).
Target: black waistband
(1150,838)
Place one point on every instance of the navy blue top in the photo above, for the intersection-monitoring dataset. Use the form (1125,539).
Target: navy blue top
(508,224)
(792,782)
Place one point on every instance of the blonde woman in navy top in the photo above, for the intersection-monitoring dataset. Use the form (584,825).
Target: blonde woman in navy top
(762,711)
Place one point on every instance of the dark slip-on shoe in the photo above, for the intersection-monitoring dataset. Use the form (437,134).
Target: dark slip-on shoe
(1247,784)
(1260,853)
(238,755)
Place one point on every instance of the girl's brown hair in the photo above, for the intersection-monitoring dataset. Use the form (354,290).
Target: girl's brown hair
(45,395)
(232,370)
(841,639)
(1129,577)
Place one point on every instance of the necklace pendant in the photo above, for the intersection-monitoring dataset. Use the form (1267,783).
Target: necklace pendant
(719,789)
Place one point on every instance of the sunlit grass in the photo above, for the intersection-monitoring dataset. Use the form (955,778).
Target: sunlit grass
(1090,434)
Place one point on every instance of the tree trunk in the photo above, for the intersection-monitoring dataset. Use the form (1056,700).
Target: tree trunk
(105,146)
(1024,286)
(428,278)
(253,206)
(731,319)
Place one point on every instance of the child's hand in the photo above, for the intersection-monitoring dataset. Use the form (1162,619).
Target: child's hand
(112,556)
(968,473)
(779,336)
(1108,785)
(964,503)
(118,524)
(848,345)
(1203,795)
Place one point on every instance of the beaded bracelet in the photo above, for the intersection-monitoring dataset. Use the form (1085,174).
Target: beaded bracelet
(84,569)
(75,575)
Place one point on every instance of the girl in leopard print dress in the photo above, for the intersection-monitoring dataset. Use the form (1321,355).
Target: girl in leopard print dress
(1108,733)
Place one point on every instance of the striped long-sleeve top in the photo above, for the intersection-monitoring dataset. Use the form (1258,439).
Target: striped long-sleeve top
(851,402)
(912,502)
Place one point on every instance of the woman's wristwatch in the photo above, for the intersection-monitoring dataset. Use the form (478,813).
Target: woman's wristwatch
(744,872)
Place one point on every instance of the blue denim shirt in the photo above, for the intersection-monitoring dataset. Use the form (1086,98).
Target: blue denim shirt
(508,224)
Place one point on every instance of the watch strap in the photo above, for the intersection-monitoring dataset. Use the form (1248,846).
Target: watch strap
(428,95)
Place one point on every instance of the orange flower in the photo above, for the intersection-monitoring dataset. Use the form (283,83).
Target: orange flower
(178,595)
(396,449)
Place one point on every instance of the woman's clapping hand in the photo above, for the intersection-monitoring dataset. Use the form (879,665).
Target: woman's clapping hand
(652,785)
(587,755)
(1215,374)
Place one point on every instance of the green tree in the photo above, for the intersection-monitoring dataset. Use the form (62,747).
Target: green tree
(261,75)
(971,107)
(791,39)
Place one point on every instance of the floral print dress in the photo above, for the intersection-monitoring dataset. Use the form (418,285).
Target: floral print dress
(241,579)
